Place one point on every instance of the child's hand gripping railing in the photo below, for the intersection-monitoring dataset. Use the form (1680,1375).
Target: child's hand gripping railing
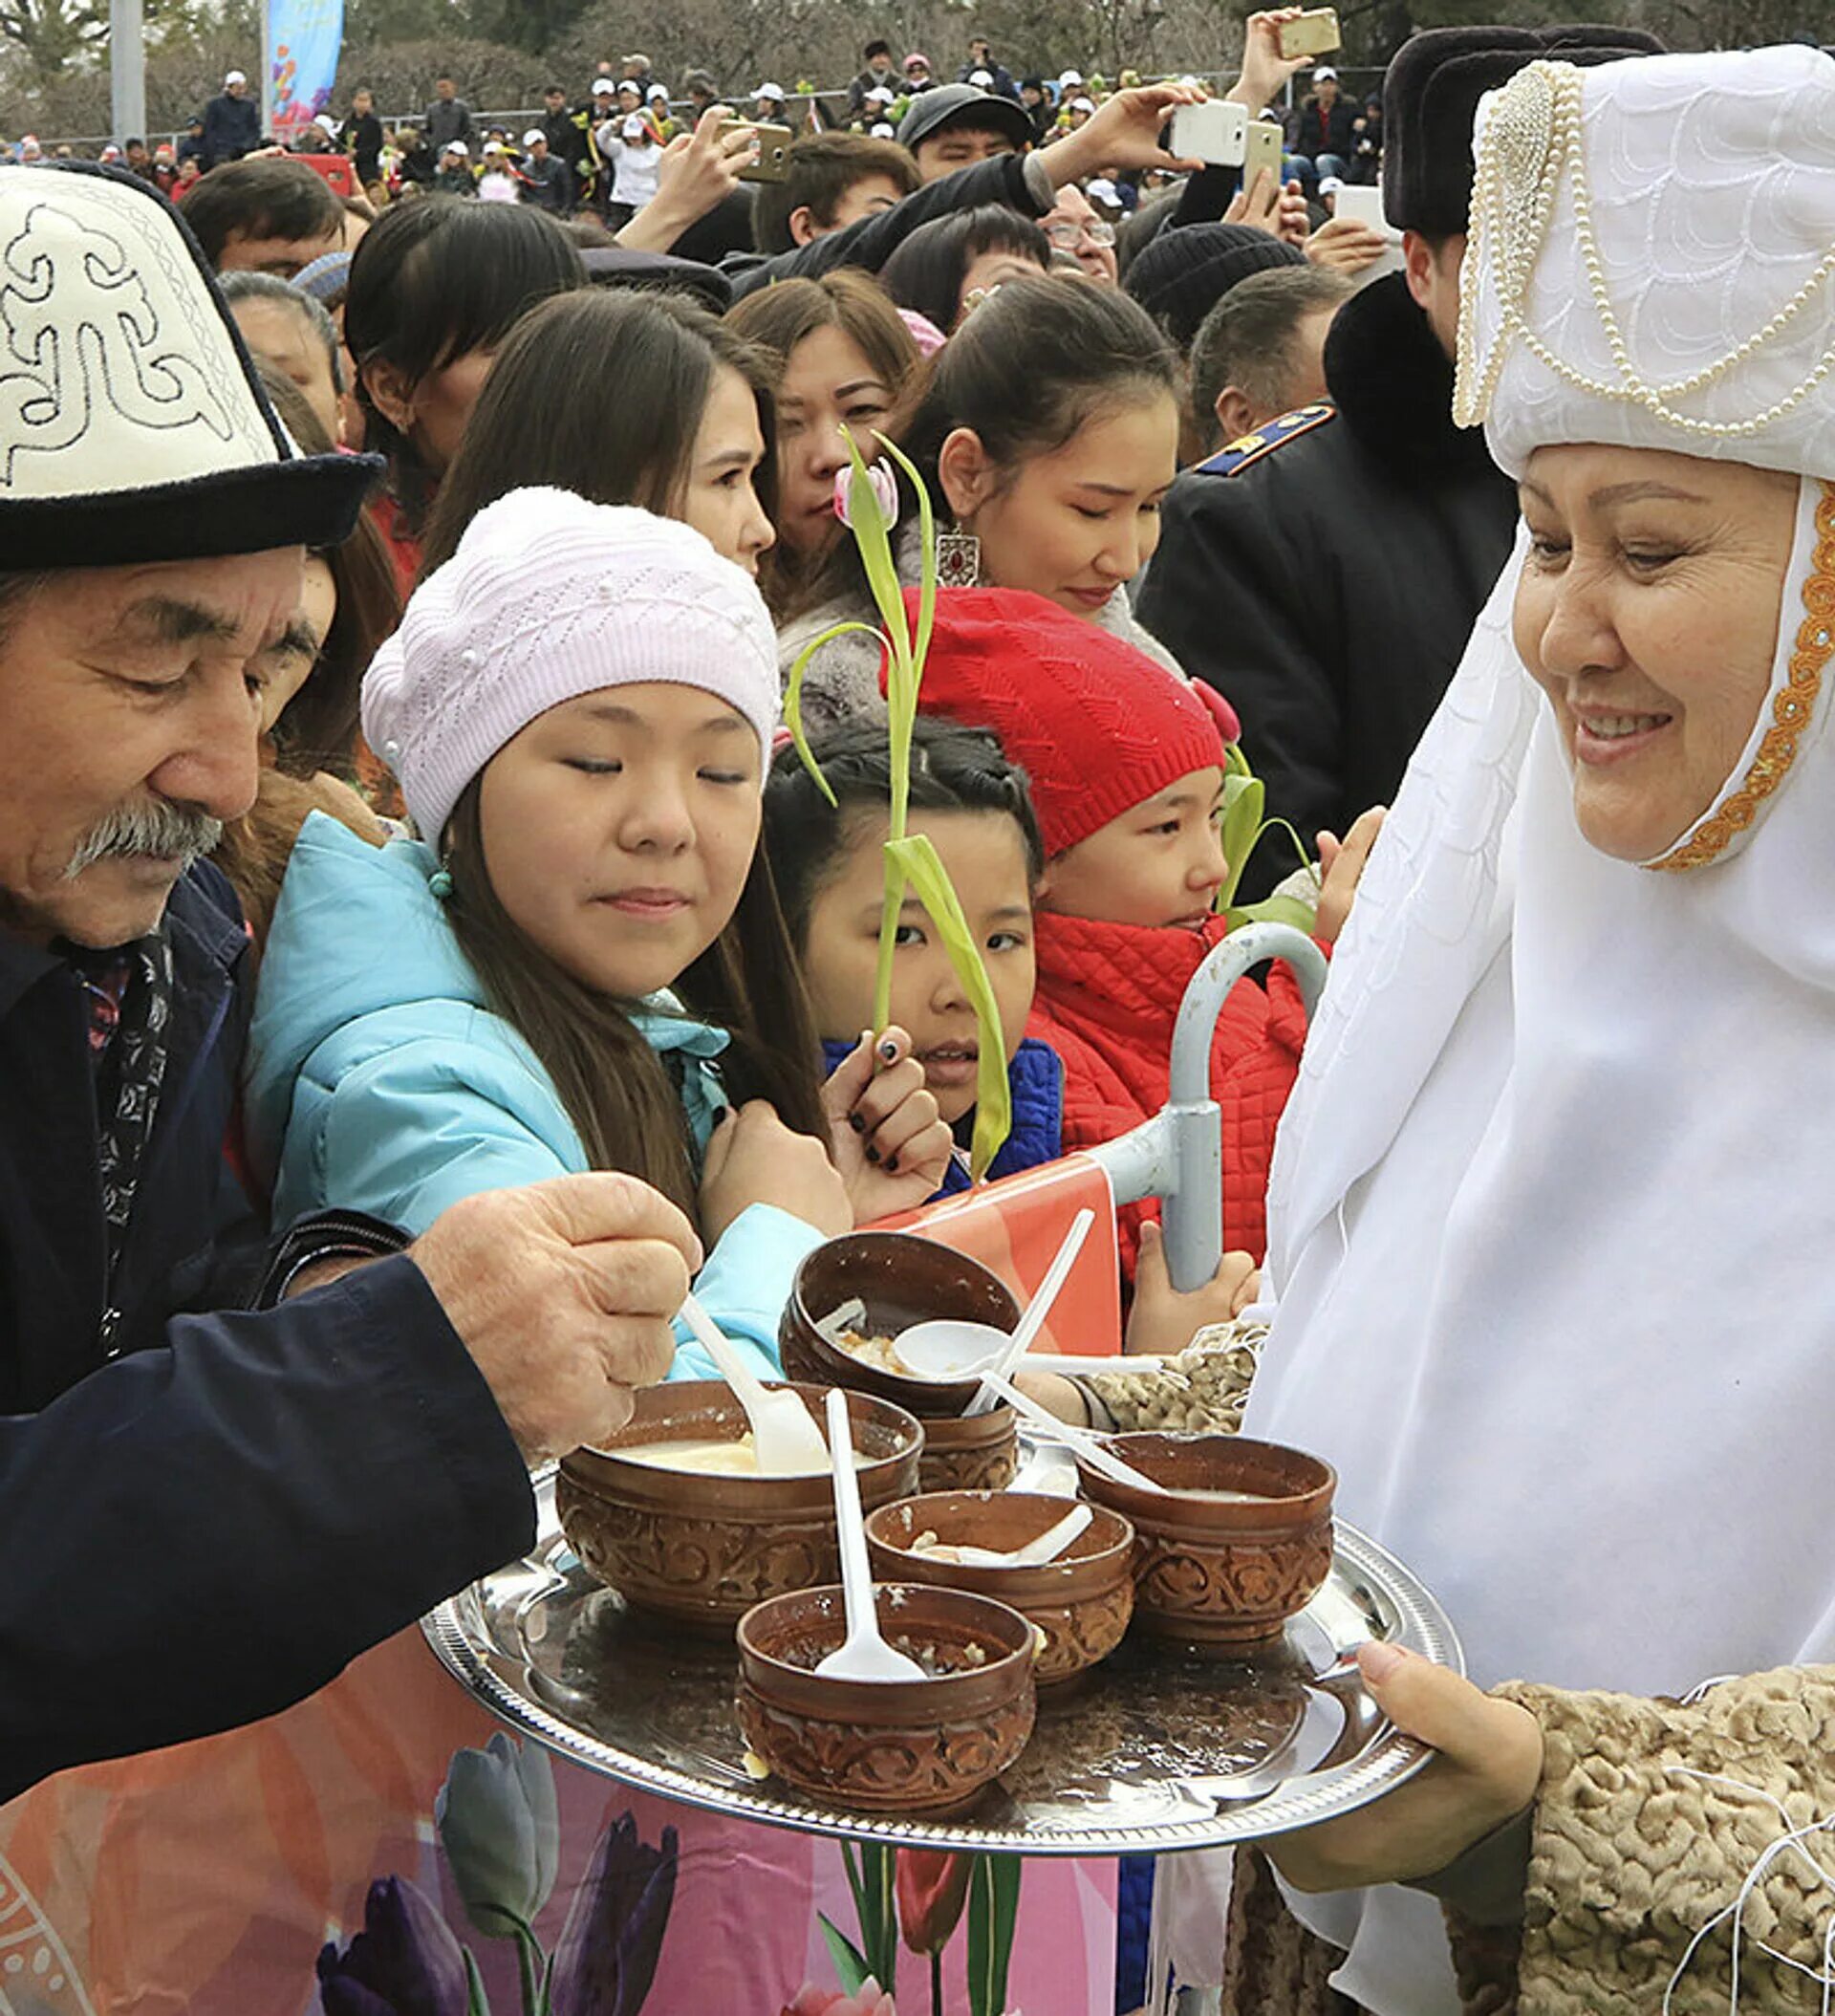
(1178,1154)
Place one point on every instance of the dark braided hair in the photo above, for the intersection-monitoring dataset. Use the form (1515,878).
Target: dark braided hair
(953,769)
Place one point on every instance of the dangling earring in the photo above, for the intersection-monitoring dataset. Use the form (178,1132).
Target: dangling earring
(959,560)
(440,884)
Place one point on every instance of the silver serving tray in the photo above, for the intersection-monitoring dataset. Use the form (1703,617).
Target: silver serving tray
(1155,1748)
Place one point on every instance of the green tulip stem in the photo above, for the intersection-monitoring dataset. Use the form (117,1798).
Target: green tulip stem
(905,648)
(937,1982)
(529,1963)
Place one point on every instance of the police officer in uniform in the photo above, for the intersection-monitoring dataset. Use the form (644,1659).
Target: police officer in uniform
(1326,571)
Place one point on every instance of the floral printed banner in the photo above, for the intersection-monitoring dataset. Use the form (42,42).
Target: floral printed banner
(385,1849)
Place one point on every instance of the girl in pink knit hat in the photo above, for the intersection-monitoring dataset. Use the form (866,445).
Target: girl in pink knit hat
(581,963)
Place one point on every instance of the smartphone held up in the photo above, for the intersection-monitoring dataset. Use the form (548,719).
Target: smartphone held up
(1313,33)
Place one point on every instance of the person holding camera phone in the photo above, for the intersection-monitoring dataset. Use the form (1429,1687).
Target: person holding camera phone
(632,142)
(1125,133)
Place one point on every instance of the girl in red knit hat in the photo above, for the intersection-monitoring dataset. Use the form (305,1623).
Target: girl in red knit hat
(1127,761)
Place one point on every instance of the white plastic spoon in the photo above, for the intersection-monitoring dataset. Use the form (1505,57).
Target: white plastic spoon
(785,1439)
(863,1655)
(1035,1554)
(1080,1439)
(950,1347)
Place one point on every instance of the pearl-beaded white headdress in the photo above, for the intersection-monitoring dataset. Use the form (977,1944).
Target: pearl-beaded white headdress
(1652,260)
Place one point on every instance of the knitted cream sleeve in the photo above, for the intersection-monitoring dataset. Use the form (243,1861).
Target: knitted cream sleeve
(1632,1856)
(1199,1391)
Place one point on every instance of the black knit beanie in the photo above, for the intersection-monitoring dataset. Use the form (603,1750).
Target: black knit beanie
(1184,274)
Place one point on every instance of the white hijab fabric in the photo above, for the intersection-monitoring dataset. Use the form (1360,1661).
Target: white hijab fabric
(1651,261)
(1553,1216)
(1553,1206)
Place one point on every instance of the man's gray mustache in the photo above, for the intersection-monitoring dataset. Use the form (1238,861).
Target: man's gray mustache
(157,829)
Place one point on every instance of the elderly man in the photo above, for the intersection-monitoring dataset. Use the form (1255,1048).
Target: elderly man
(208,1509)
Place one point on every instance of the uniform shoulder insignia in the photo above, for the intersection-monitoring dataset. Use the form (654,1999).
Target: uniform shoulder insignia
(1252,448)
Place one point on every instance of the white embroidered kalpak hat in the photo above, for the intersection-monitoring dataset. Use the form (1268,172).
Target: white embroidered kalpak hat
(1651,261)
(133,427)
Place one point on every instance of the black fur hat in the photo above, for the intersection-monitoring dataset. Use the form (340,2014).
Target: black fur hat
(1431,101)
(133,426)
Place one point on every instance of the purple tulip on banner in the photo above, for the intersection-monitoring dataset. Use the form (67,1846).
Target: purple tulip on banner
(405,1961)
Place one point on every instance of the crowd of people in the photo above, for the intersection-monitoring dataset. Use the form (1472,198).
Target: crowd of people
(599,151)
(426,953)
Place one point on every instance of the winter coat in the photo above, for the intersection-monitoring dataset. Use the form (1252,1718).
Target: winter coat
(389,1086)
(361,138)
(1108,997)
(548,184)
(842,681)
(635,165)
(567,137)
(231,129)
(1035,1082)
(447,119)
(1650,1817)
(191,1521)
(1002,85)
(1325,577)
(866,81)
(1326,129)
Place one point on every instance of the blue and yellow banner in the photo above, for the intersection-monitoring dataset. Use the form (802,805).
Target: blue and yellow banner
(304,37)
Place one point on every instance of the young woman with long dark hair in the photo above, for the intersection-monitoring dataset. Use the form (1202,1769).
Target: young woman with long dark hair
(622,398)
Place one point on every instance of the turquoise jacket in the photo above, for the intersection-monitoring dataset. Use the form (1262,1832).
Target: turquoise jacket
(379,1081)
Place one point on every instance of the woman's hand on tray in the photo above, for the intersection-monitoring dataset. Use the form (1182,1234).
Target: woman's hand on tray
(1486,1772)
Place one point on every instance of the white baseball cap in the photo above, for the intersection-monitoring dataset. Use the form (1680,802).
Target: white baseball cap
(770,90)
(1070,78)
(984,78)
(1330,185)
(658,91)
(456,146)
(234,76)
(880,95)
(604,87)
(493,146)
(1324,71)
(534,134)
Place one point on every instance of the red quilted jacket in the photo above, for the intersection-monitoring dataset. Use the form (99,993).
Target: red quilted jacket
(1107,998)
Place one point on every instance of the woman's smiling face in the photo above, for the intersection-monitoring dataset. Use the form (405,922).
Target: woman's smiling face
(1648,611)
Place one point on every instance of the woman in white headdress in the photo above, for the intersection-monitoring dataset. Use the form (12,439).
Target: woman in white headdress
(1553,1210)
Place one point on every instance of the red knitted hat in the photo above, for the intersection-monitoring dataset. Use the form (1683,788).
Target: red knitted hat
(1096,724)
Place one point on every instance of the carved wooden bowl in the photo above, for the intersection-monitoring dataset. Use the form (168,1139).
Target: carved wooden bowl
(1080,1601)
(903,1280)
(1218,1572)
(703,1548)
(978,1452)
(888,1747)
